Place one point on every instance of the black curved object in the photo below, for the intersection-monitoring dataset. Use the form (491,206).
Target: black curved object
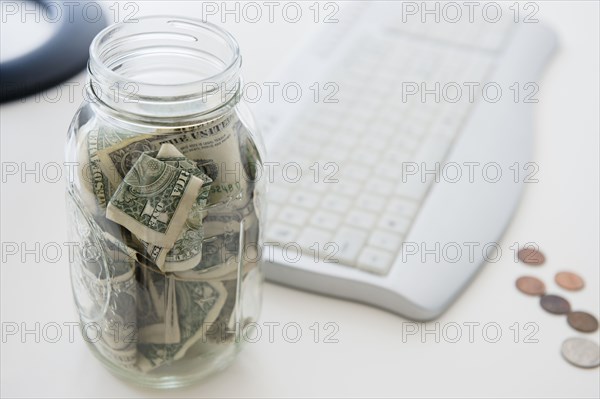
(63,56)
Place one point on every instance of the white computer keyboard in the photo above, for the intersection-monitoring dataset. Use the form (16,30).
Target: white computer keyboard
(363,205)
(355,207)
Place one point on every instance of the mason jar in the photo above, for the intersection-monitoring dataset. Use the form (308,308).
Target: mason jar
(165,210)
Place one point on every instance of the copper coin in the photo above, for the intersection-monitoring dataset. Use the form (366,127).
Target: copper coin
(530,285)
(531,256)
(582,321)
(569,281)
(555,304)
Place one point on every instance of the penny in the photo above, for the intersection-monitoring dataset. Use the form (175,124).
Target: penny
(581,352)
(569,281)
(531,256)
(530,285)
(582,321)
(555,304)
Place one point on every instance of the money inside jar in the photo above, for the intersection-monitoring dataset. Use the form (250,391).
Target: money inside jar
(173,225)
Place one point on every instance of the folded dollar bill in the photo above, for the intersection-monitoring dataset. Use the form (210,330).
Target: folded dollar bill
(153,201)
(202,304)
(186,252)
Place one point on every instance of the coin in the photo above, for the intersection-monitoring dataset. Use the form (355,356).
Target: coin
(581,352)
(531,256)
(555,304)
(530,285)
(569,281)
(582,321)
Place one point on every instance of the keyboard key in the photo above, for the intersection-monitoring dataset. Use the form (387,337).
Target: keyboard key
(406,142)
(381,187)
(272,211)
(281,233)
(369,144)
(305,147)
(336,203)
(386,240)
(375,260)
(389,170)
(326,220)
(394,223)
(348,188)
(361,218)
(324,114)
(347,144)
(369,202)
(386,130)
(354,172)
(293,215)
(432,150)
(333,154)
(311,235)
(366,157)
(402,207)
(350,241)
(416,128)
(357,125)
(308,185)
(278,194)
(413,188)
(303,199)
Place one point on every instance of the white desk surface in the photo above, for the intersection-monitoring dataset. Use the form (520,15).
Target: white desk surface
(370,359)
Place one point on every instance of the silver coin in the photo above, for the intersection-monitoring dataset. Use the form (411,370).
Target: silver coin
(581,352)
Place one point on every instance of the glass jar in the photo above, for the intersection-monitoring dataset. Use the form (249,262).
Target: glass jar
(165,208)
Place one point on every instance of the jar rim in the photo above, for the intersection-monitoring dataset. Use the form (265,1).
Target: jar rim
(96,46)
(131,63)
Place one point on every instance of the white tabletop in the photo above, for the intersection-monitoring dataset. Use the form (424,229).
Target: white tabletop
(371,358)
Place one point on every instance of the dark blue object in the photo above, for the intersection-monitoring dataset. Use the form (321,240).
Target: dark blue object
(63,56)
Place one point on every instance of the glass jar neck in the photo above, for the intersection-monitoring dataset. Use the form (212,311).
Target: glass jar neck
(165,68)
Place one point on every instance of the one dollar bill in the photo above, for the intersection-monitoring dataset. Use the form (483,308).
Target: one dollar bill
(154,200)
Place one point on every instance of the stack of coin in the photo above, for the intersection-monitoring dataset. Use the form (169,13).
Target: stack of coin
(580,352)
